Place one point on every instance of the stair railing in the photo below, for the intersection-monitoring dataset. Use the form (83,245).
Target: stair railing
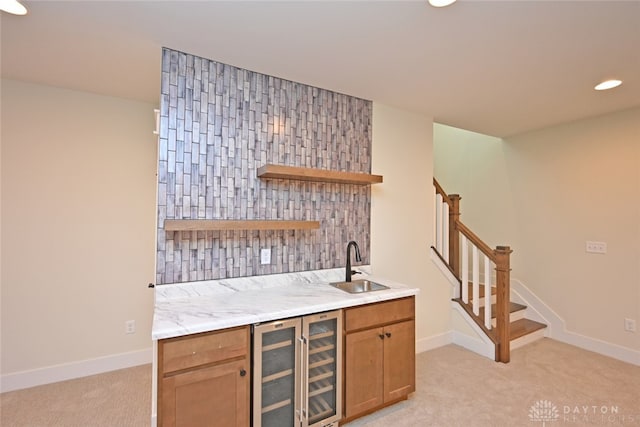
(469,258)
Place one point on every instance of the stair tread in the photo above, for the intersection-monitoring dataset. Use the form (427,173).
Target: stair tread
(513,307)
(522,327)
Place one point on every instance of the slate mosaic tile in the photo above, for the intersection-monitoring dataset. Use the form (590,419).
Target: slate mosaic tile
(218,125)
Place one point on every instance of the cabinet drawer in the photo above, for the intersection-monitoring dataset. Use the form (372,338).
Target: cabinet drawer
(381,313)
(194,350)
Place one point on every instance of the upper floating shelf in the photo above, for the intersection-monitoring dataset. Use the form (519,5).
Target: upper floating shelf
(217,224)
(317,175)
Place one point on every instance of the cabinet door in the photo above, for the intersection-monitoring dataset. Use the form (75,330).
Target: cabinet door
(399,360)
(363,371)
(214,396)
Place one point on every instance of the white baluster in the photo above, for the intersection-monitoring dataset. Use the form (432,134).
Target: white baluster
(439,223)
(476,281)
(435,217)
(445,231)
(487,292)
(464,274)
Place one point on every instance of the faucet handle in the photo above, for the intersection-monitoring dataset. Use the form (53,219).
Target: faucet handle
(355,272)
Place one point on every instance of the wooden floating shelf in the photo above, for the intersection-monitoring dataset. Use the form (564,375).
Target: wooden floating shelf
(318,175)
(217,224)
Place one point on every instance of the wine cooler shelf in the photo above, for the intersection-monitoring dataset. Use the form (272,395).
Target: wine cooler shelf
(318,387)
(319,409)
(320,373)
(276,405)
(277,375)
(322,345)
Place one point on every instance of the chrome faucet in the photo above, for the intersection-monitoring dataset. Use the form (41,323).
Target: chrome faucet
(349,272)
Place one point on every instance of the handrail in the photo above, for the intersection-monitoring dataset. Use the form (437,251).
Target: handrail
(484,248)
(440,191)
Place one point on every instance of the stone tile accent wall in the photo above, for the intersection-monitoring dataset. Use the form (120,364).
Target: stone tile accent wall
(218,125)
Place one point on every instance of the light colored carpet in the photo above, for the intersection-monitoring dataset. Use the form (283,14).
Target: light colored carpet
(566,385)
(458,388)
(117,398)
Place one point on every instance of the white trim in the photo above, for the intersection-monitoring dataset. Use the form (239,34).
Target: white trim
(455,284)
(474,345)
(526,339)
(556,327)
(481,345)
(68,371)
(433,342)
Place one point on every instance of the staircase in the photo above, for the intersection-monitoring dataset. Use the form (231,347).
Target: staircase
(483,271)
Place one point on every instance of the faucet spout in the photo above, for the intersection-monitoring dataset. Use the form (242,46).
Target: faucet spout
(358,259)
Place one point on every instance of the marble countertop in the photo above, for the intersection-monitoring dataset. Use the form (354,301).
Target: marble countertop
(188,308)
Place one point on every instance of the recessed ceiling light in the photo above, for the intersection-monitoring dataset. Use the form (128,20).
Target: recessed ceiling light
(608,84)
(441,3)
(13,7)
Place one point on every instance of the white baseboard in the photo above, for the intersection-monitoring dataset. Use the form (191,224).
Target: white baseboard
(615,351)
(68,371)
(480,344)
(556,327)
(475,345)
(432,342)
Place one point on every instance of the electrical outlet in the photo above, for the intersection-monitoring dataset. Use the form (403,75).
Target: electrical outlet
(596,247)
(130,327)
(265,256)
(630,325)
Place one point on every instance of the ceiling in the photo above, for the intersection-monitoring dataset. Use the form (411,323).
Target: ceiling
(494,67)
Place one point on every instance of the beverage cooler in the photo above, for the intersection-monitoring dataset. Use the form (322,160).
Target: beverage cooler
(297,371)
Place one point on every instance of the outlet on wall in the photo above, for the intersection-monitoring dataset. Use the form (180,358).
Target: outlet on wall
(630,325)
(596,247)
(130,327)
(265,256)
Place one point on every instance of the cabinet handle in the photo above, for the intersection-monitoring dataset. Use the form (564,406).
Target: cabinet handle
(388,334)
(243,372)
(381,336)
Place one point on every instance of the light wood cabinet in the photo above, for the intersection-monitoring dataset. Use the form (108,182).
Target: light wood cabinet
(204,379)
(379,356)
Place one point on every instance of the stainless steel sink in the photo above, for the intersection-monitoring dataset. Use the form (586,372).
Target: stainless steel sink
(359,286)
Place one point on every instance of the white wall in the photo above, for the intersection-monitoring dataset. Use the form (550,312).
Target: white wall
(564,185)
(78,220)
(402,217)
(574,183)
(465,161)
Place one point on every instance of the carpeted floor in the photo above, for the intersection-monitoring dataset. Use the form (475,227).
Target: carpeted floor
(547,383)
(117,398)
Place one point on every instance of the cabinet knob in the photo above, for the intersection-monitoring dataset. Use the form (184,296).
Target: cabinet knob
(381,336)
(243,372)
(388,334)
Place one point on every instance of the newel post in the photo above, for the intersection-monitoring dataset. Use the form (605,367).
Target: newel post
(503,297)
(454,234)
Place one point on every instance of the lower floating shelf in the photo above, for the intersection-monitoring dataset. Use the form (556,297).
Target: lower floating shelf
(216,224)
